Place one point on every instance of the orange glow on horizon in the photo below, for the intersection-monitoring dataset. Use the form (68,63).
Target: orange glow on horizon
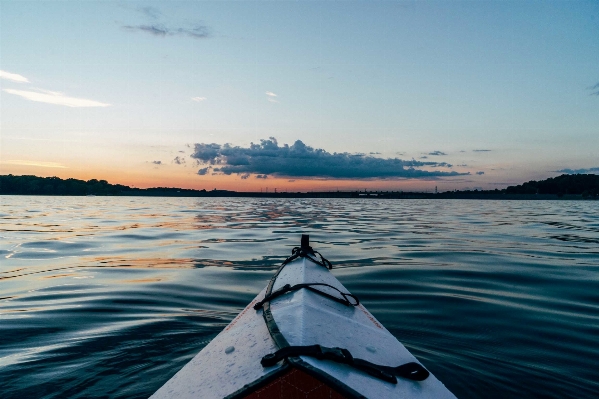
(168,176)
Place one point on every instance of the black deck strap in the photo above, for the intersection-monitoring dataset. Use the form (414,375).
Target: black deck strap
(412,371)
(309,286)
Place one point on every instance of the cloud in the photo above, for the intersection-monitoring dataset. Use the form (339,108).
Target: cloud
(300,160)
(261,176)
(13,76)
(481,150)
(437,153)
(204,171)
(594,90)
(179,160)
(57,98)
(206,152)
(245,176)
(157,162)
(198,99)
(271,97)
(34,163)
(594,170)
(196,32)
(156,30)
(480,173)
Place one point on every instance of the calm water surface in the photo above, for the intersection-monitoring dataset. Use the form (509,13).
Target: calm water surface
(109,297)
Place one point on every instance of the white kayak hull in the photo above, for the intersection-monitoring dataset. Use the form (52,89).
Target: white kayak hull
(229,366)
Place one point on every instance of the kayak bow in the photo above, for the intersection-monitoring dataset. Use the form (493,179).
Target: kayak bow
(304,336)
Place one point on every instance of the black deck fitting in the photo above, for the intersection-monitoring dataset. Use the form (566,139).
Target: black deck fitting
(305,241)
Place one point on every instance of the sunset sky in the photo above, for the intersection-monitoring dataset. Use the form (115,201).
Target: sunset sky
(303,95)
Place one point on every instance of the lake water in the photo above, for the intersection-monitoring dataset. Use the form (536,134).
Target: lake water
(108,297)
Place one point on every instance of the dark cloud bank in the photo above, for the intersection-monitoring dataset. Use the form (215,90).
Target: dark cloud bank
(300,160)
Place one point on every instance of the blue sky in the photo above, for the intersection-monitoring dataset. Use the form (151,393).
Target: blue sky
(433,82)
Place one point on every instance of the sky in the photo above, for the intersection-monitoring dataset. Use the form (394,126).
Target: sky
(302,95)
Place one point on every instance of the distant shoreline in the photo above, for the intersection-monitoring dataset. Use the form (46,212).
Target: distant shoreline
(564,187)
(339,195)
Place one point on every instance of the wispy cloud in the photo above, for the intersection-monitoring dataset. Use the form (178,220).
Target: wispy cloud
(196,32)
(568,171)
(271,97)
(198,99)
(157,162)
(300,160)
(54,97)
(34,163)
(480,173)
(594,90)
(437,153)
(179,160)
(13,77)
(481,150)
(156,30)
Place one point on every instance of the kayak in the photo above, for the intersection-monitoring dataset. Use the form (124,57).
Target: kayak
(304,336)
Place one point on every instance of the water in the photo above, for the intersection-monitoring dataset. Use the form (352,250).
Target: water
(109,297)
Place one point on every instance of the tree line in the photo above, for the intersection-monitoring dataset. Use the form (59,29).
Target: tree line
(34,185)
(586,185)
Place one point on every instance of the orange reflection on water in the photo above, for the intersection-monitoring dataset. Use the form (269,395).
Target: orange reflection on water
(58,276)
(145,263)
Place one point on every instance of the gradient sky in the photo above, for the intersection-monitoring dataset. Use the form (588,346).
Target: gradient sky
(132,92)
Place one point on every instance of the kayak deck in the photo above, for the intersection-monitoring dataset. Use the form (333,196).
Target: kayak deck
(229,367)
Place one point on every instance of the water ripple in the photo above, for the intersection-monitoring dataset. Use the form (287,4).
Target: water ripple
(109,297)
